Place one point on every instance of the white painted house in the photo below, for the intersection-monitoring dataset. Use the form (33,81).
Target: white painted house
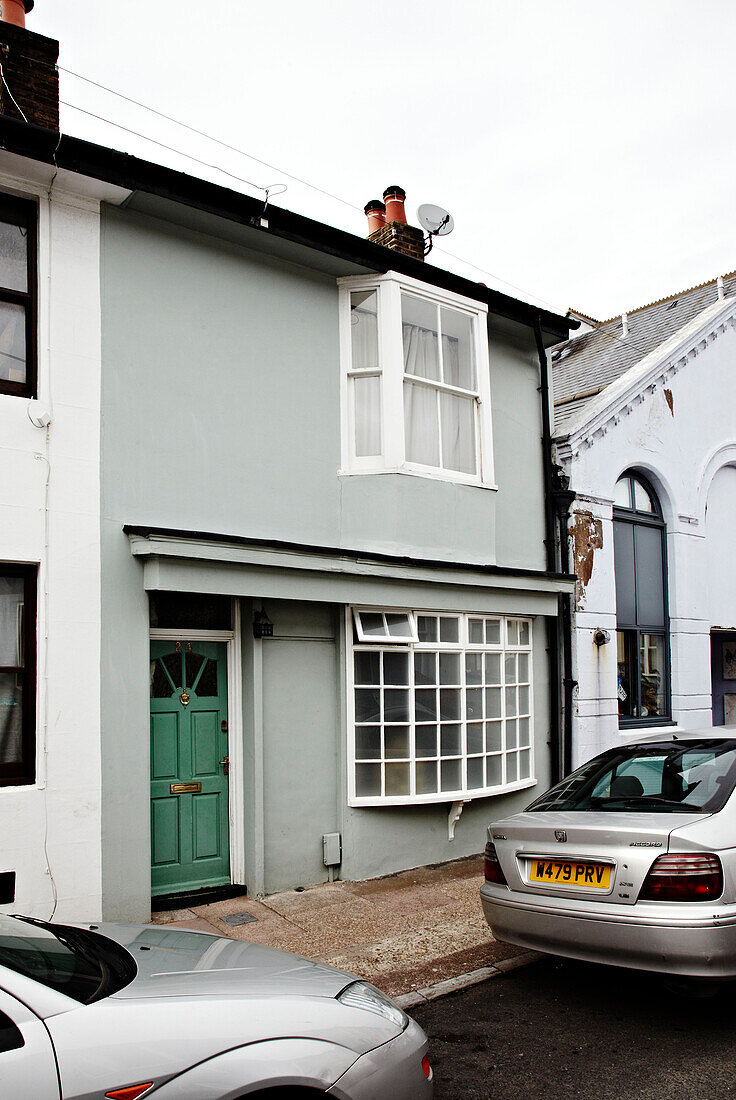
(645,431)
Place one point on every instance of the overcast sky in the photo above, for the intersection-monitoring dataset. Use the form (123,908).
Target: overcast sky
(584,147)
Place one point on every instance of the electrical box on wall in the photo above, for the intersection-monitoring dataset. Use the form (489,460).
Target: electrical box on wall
(332,848)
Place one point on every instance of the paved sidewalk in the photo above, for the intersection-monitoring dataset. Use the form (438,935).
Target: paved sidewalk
(402,932)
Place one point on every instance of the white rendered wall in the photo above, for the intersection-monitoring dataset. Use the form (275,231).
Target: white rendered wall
(688,452)
(720,527)
(49,514)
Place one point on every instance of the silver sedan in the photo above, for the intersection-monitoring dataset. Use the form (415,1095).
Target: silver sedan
(631,860)
(128,1011)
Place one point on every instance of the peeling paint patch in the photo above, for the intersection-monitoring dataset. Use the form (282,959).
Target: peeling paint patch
(670,401)
(587,537)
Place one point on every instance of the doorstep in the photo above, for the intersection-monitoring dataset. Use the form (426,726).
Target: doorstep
(404,932)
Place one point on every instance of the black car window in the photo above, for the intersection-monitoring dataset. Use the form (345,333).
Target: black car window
(694,776)
(81,964)
(10,1036)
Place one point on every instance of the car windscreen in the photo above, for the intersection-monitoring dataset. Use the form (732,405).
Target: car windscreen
(82,964)
(693,776)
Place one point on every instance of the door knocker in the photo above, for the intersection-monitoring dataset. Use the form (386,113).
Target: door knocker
(184,699)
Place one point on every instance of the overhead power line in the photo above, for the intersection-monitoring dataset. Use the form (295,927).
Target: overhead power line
(266,164)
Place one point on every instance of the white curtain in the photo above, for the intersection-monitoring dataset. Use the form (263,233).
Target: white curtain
(458,433)
(367,397)
(364,334)
(421,417)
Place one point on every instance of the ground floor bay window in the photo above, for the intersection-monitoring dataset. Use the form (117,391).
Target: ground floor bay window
(441,706)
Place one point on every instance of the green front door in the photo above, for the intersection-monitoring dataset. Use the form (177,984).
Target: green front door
(189,784)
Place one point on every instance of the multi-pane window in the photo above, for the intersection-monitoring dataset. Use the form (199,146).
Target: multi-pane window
(17,673)
(446,714)
(416,394)
(641,604)
(17,297)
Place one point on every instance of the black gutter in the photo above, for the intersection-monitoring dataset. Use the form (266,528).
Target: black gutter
(556,547)
(133,174)
(341,552)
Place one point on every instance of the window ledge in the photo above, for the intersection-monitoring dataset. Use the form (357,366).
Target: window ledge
(441,797)
(448,479)
(667,724)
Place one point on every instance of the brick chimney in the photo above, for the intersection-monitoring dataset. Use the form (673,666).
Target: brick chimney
(394,232)
(29,73)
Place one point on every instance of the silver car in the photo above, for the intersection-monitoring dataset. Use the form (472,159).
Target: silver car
(128,1011)
(631,860)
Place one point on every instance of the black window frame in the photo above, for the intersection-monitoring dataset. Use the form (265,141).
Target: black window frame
(23,771)
(24,213)
(633,631)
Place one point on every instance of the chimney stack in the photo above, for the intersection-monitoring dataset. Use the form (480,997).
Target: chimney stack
(376,212)
(15,11)
(29,73)
(387,224)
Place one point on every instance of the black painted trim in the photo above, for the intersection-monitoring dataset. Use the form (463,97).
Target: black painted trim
(343,552)
(134,174)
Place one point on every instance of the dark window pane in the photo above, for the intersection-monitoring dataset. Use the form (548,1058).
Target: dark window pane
(449,630)
(367,742)
(475,772)
(425,668)
(372,624)
(623,552)
(450,740)
(450,773)
(367,780)
(425,705)
(367,705)
(12,342)
(652,670)
(368,667)
(11,718)
(396,706)
(160,684)
(190,610)
(626,674)
(207,683)
(397,779)
(649,587)
(11,621)
(13,257)
(426,777)
(396,742)
(396,668)
(426,740)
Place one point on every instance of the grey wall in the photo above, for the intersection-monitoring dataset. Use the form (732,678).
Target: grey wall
(221,413)
(517,444)
(222,405)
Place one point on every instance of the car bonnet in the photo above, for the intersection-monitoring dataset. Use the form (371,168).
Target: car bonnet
(175,962)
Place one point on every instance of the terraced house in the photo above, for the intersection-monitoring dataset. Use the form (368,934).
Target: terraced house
(279,599)
(645,430)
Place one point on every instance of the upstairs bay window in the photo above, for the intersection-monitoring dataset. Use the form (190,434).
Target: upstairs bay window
(416,393)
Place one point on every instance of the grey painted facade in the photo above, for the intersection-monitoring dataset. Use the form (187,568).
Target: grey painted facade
(221,414)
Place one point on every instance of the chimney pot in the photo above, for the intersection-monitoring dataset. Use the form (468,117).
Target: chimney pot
(15,11)
(394,198)
(376,213)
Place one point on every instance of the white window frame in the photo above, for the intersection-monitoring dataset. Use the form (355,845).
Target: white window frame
(462,646)
(392,458)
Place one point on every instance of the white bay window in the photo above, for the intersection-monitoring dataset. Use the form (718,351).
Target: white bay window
(416,388)
(441,706)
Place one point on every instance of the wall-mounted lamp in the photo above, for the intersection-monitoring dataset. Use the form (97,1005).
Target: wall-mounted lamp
(262,625)
(601,636)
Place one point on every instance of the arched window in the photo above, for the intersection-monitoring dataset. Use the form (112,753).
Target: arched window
(641,604)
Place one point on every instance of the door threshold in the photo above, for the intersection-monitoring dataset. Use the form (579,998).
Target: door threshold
(206,896)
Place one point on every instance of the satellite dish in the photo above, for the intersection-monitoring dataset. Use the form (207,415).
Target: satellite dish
(435,220)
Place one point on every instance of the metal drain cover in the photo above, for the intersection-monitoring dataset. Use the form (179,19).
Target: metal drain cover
(238,918)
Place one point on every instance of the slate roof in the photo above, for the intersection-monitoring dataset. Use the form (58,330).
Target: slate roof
(585,365)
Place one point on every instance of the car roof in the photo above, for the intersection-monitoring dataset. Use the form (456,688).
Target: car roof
(670,733)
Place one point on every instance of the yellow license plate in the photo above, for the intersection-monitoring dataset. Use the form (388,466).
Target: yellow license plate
(571,873)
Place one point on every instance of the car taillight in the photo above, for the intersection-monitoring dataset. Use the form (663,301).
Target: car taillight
(491,866)
(684,877)
(426,1066)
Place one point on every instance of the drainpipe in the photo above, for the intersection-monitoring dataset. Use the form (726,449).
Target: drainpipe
(557,501)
